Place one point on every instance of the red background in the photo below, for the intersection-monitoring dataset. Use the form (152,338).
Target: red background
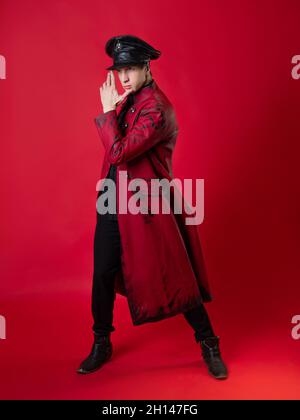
(226,67)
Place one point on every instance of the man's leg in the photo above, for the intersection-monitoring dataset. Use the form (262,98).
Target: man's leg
(107,261)
(199,320)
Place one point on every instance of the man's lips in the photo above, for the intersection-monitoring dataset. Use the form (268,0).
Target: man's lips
(127,87)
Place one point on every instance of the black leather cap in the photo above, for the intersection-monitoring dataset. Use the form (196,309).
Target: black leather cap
(129,50)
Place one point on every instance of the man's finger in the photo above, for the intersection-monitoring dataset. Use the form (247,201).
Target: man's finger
(112,79)
(125,94)
(108,78)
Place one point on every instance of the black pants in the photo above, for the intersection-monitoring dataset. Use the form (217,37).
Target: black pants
(107,261)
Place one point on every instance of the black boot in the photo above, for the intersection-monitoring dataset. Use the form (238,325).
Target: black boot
(100,353)
(212,357)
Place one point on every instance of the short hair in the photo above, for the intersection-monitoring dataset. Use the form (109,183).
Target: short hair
(141,65)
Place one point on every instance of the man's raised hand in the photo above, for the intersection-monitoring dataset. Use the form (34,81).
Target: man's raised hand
(109,94)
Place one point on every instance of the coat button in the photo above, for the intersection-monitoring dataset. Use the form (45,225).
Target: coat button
(126,125)
(132,109)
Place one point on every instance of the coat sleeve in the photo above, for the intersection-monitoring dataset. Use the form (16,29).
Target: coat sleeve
(145,133)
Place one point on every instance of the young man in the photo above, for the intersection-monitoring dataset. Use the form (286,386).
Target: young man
(155,260)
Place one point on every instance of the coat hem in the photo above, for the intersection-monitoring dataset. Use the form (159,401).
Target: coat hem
(162,316)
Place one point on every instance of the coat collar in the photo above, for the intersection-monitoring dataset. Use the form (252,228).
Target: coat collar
(144,91)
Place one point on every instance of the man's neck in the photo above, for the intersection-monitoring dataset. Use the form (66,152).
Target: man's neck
(146,83)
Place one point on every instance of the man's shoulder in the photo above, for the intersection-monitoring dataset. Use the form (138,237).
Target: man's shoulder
(156,100)
(158,104)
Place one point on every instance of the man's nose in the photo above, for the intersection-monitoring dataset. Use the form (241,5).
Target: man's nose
(124,77)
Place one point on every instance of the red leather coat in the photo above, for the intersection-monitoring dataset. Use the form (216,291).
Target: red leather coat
(163,271)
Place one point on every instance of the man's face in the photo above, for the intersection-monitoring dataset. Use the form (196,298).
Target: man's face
(132,77)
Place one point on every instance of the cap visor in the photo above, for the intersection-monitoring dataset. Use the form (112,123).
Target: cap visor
(119,66)
(111,68)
